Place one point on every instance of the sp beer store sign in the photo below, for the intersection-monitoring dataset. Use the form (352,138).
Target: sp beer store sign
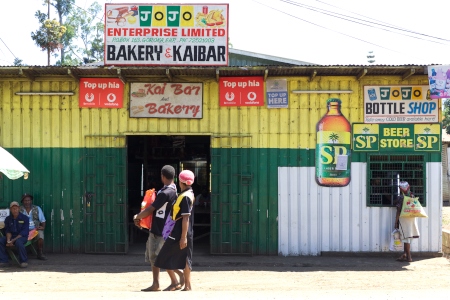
(241,91)
(101,93)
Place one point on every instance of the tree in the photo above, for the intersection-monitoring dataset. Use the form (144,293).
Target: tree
(446,113)
(63,9)
(91,30)
(82,39)
(18,62)
(48,36)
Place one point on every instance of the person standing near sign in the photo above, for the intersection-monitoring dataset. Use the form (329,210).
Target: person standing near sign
(407,226)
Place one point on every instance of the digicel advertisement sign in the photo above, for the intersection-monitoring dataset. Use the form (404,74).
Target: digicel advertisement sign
(241,91)
(101,93)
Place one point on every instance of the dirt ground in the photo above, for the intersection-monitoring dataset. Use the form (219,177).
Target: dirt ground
(84,276)
(121,277)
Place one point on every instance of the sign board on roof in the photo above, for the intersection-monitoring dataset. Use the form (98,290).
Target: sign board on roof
(172,34)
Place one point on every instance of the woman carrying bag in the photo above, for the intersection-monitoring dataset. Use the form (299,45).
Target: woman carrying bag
(407,226)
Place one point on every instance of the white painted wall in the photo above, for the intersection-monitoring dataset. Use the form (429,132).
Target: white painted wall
(312,219)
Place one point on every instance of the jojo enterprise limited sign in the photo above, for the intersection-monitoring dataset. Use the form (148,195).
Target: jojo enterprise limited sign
(399,104)
(172,34)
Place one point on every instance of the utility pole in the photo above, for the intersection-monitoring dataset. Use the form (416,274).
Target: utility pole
(48,48)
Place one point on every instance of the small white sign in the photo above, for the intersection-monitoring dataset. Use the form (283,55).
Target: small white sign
(342,162)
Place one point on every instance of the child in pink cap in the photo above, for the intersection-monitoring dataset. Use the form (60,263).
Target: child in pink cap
(176,252)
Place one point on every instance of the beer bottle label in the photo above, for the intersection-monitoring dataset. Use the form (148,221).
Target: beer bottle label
(330,145)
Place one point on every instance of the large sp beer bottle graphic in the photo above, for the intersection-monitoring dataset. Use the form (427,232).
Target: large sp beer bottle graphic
(333,147)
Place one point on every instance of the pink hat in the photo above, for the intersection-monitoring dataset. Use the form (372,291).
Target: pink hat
(186,177)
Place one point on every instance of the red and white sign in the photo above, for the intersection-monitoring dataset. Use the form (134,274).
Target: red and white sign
(101,92)
(241,91)
(166,100)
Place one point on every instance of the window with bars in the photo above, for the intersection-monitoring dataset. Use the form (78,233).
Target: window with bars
(386,171)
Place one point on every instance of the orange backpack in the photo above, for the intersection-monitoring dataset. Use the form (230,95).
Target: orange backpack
(149,198)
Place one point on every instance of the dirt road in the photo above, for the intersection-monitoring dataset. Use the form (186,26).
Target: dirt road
(122,277)
(70,276)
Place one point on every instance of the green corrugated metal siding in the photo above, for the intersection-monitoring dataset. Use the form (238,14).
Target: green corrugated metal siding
(56,186)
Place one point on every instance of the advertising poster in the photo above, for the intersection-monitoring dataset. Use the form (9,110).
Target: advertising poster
(241,91)
(399,104)
(101,93)
(333,152)
(169,35)
(277,93)
(396,137)
(439,80)
(166,100)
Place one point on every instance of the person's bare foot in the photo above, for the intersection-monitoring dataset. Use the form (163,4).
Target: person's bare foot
(181,280)
(173,287)
(402,258)
(186,289)
(152,288)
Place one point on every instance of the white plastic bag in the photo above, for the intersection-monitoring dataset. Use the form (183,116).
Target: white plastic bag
(396,243)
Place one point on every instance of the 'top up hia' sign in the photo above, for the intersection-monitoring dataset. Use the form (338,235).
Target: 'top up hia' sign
(101,93)
(241,91)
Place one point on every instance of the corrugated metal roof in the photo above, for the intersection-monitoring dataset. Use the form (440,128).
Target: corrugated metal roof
(145,73)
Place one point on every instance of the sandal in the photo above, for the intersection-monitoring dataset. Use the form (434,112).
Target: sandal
(402,258)
(173,287)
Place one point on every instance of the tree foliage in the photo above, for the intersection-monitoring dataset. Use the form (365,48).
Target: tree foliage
(446,113)
(48,36)
(82,39)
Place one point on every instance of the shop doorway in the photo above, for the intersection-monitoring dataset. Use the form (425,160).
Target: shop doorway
(147,155)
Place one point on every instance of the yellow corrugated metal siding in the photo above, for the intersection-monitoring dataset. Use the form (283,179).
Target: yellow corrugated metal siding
(57,121)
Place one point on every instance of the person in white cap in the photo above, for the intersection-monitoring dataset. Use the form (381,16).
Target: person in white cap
(177,250)
(16,229)
(407,226)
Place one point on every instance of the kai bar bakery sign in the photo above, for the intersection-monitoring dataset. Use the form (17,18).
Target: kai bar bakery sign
(399,104)
(101,93)
(166,100)
(172,34)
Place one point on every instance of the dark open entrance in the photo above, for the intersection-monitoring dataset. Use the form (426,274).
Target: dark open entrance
(147,155)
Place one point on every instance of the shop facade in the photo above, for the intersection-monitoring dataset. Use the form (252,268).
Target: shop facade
(90,165)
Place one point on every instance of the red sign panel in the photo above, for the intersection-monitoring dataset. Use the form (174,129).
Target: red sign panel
(101,92)
(241,91)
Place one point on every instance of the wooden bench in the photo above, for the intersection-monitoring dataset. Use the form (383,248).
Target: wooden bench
(11,250)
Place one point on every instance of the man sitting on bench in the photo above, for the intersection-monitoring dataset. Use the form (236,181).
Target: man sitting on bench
(16,229)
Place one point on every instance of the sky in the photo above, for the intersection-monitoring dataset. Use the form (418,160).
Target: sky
(303,30)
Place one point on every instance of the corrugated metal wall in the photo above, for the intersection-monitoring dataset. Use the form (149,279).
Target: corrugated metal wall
(49,134)
(313,219)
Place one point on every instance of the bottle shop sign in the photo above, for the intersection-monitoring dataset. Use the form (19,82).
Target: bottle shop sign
(101,93)
(396,137)
(400,104)
(241,91)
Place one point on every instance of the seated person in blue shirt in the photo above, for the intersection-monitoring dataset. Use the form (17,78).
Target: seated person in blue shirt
(37,221)
(16,229)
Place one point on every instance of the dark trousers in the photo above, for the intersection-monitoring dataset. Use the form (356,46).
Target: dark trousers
(19,243)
